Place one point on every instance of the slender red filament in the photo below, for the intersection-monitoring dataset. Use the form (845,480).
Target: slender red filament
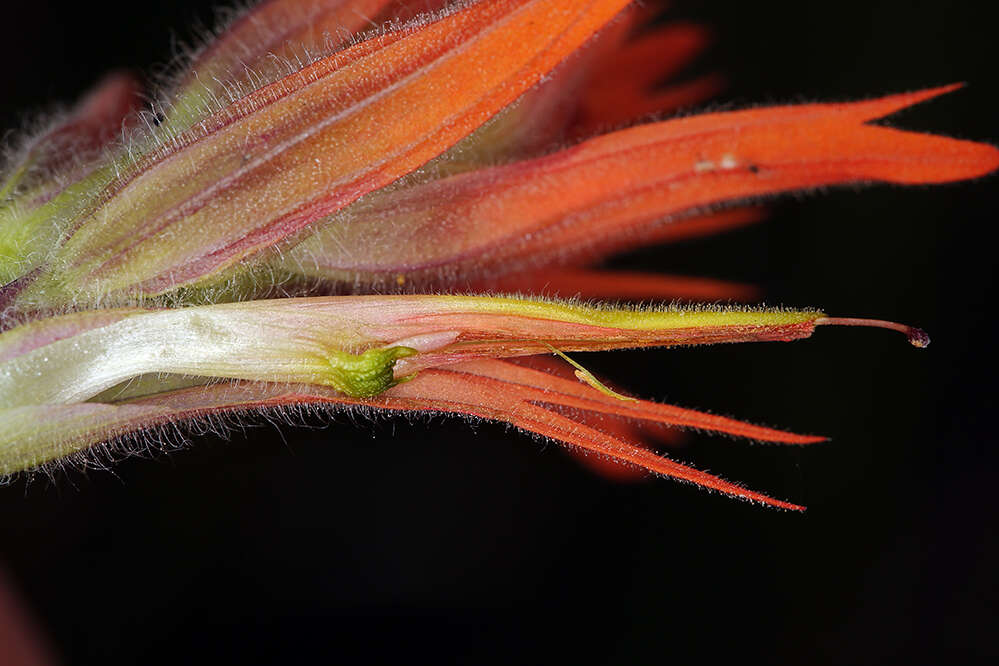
(917,336)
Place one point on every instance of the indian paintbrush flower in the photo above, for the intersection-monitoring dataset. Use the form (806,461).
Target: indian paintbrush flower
(299,215)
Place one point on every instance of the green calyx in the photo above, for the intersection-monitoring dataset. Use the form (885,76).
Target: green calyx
(364,375)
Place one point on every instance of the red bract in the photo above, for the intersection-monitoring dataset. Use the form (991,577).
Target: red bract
(483,145)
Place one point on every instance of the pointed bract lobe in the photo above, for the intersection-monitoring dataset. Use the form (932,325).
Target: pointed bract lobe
(490,389)
(541,210)
(485,389)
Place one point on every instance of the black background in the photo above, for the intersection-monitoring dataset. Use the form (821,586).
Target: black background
(442,541)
